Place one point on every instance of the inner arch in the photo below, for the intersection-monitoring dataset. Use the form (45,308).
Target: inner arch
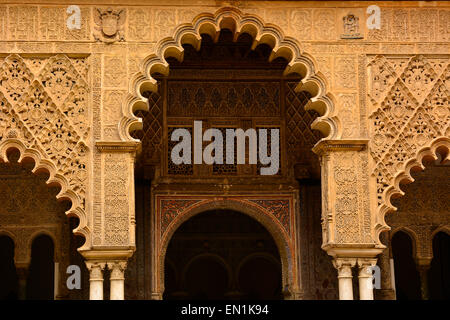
(214,252)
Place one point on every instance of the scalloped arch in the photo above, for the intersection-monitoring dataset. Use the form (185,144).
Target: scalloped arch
(439,145)
(289,48)
(41,163)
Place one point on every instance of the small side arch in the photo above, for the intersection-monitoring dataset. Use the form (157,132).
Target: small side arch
(42,164)
(212,256)
(437,146)
(411,234)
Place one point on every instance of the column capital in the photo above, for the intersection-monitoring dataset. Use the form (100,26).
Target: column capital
(423,263)
(366,262)
(365,276)
(365,267)
(117,268)
(344,266)
(96,269)
(22,269)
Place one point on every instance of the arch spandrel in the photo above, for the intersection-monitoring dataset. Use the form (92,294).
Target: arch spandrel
(312,81)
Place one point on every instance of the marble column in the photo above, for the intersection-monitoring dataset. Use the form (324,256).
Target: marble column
(344,268)
(365,277)
(95,279)
(117,279)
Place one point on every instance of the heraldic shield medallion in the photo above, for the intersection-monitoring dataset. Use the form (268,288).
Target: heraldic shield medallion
(109,25)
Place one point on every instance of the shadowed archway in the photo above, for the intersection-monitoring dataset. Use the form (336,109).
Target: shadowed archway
(223,254)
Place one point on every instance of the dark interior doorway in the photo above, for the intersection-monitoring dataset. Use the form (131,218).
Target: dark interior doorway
(8,276)
(439,273)
(40,283)
(407,281)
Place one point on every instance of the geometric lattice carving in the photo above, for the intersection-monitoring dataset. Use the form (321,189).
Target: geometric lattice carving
(43,102)
(16,77)
(226,169)
(151,135)
(217,99)
(299,120)
(412,108)
(58,77)
(300,137)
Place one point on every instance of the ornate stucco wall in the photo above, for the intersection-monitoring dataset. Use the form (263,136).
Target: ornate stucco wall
(67,99)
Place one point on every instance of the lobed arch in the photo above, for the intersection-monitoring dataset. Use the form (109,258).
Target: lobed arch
(43,164)
(233,19)
(284,245)
(440,146)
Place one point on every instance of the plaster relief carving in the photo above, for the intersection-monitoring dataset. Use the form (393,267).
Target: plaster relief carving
(351,27)
(109,25)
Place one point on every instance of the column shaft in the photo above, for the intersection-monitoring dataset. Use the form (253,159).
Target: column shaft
(365,277)
(117,279)
(95,279)
(22,275)
(344,268)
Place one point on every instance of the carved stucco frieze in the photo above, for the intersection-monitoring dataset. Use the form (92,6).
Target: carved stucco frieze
(115,221)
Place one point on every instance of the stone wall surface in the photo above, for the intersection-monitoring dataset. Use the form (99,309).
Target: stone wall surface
(67,96)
